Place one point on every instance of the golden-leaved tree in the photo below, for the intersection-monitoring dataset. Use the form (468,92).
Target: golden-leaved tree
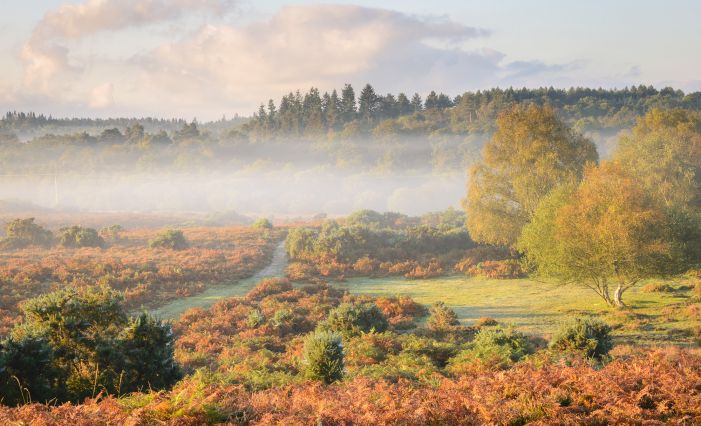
(608,231)
(531,152)
(664,152)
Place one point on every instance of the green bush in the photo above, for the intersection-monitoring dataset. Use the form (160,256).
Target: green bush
(588,336)
(351,320)
(21,233)
(442,318)
(497,347)
(171,239)
(26,370)
(262,223)
(77,236)
(255,319)
(323,357)
(94,347)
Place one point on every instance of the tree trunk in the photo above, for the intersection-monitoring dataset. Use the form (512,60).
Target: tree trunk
(618,297)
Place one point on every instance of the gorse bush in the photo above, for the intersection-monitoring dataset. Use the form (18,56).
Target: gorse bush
(77,236)
(262,223)
(354,319)
(323,357)
(442,318)
(21,233)
(588,336)
(496,347)
(74,344)
(170,239)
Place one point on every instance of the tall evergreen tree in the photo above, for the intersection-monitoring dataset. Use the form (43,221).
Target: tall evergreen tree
(348,108)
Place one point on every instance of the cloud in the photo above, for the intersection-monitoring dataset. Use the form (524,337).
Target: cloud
(45,54)
(224,67)
(319,45)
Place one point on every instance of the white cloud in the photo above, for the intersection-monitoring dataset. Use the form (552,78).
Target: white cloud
(323,46)
(45,55)
(224,68)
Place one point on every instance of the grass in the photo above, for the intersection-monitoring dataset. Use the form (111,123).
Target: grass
(539,308)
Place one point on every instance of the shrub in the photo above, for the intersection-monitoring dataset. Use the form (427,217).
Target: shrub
(486,322)
(170,239)
(111,233)
(262,223)
(442,318)
(21,233)
(365,266)
(429,270)
(77,236)
(659,287)
(20,361)
(498,347)
(255,319)
(323,357)
(351,320)
(588,336)
(498,269)
(300,271)
(477,255)
(268,287)
(95,346)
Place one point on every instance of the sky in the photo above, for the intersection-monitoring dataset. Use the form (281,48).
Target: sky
(208,58)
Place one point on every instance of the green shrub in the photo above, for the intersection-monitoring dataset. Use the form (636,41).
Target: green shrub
(171,239)
(111,233)
(442,318)
(497,347)
(323,357)
(26,370)
(351,319)
(94,346)
(77,236)
(262,223)
(255,319)
(21,233)
(588,336)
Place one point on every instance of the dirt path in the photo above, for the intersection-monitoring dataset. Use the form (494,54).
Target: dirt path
(276,268)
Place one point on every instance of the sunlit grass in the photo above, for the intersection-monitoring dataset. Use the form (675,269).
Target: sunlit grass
(540,307)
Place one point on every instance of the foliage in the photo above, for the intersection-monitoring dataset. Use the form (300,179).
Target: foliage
(323,357)
(495,347)
(112,233)
(262,223)
(498,269)
(353,319)
(664,151)
(88,345)
(146,277)
(441,318)
(78,236)
(587,336)
(170,239)
(20,233)
(376,244)
(27,371)
(551,394)
(531,152)
(607,229)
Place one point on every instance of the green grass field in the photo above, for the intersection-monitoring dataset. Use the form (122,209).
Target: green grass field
(539,308)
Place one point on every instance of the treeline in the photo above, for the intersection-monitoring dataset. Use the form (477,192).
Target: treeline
(313,113)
